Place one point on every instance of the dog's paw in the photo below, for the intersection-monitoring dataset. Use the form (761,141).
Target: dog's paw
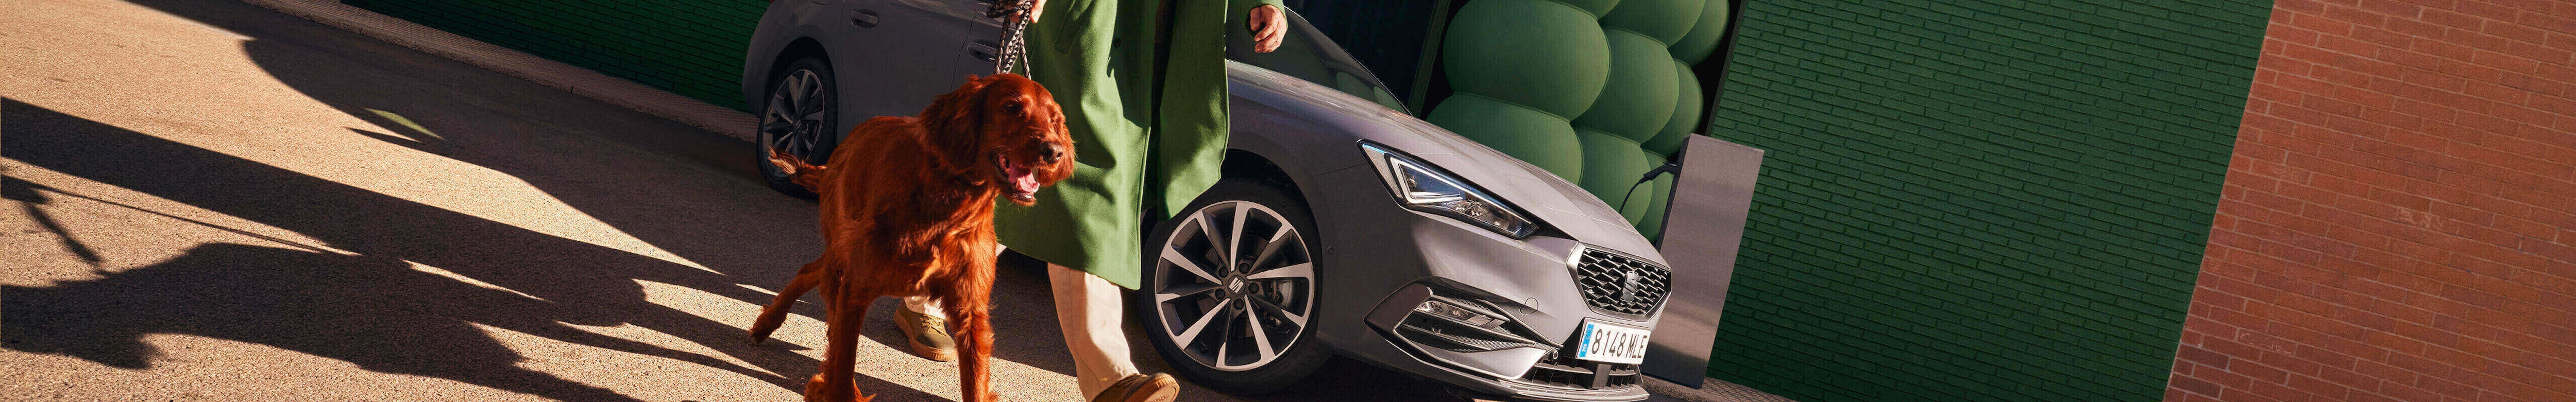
(816,390)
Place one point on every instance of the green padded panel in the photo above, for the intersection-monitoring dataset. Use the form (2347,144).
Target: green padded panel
(1539,138)
(1535,53)
(1532,67)
(1664,20)
(1703,37)
(1687,108)
(1623,77)
(1606,159)
(1638,98)
(1595,7)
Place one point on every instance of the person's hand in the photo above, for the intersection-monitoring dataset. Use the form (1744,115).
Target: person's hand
(1002,10)
(1268,27)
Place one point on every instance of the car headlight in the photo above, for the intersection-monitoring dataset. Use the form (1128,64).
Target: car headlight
(1420,187)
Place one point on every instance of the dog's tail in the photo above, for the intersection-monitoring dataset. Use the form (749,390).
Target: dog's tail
(809,176)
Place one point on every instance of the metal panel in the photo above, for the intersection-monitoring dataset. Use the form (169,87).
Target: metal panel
(1701,232)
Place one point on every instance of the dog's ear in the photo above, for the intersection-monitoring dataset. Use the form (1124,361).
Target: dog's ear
(954,120)
(956,110)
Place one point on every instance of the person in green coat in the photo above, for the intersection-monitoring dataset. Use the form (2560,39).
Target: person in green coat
(1143,87)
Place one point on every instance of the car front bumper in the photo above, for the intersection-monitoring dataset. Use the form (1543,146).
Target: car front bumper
(1387,260)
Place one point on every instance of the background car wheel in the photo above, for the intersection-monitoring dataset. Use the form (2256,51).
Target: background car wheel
(1229,289)
(800,118)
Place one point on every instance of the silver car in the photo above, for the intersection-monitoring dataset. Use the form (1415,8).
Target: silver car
(1343,225)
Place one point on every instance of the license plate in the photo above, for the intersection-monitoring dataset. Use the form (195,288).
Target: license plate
(1611,344)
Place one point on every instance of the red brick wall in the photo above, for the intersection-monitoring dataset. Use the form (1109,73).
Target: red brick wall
(2399,220)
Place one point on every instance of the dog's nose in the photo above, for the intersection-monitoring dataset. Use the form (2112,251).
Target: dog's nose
(1050,152)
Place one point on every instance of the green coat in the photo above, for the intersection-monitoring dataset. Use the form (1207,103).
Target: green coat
(1143,148)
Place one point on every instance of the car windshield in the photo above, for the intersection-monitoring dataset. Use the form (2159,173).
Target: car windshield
(1307,54)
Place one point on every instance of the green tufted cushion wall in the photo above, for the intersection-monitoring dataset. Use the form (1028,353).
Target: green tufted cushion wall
(1596,91)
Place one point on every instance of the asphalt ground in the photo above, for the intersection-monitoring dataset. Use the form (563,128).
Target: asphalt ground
(208,200)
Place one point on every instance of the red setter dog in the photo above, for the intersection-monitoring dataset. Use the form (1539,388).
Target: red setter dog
(907,209)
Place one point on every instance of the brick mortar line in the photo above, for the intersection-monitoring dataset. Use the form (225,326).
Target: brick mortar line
(2249,281)
(2400,111)
(2347,201)
(2340,207)
(2409,68)
(2293,356)
(543,71)
(2252,300)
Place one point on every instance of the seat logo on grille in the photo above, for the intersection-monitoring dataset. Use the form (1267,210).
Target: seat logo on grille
(1628,287)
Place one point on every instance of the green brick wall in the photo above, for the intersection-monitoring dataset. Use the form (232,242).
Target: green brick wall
(690,47)
(1977,200)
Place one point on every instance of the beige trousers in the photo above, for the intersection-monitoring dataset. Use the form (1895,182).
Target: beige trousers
(1087,310)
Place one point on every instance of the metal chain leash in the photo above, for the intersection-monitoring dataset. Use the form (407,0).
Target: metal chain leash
(1014,44)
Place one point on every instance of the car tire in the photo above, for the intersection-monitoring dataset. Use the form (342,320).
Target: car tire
(1251,293)
(799,117)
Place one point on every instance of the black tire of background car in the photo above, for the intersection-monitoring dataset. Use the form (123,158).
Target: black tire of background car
(1303,356)
(822,151)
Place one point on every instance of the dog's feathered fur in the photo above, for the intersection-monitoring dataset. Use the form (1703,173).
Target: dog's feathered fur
(907,209)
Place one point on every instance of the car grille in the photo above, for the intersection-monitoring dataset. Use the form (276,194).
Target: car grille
(1605,278)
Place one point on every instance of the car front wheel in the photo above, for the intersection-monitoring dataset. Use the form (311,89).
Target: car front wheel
(1229,289)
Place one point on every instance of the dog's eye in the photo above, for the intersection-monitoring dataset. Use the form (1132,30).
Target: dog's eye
(1012,108)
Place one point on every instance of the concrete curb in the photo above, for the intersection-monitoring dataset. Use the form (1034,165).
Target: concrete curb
(1710,390)
(580,81)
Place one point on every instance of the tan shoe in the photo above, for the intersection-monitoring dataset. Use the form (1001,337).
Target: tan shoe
(927,334)
(1141,388)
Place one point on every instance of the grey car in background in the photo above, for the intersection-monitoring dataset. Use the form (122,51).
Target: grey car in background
(1343,225)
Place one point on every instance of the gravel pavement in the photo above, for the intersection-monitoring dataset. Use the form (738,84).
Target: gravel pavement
(207,200)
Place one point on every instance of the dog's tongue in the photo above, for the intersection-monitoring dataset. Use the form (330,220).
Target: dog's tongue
(1024,183)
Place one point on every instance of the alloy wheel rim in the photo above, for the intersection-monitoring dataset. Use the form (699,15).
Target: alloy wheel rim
(792,122)
(1234,285)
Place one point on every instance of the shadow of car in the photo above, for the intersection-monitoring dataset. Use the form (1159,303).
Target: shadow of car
(1343,225)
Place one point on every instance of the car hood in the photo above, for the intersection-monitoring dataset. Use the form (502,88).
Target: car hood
(1549,199)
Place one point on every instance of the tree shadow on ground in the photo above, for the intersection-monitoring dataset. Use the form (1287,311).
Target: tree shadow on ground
(371,308)
(646,177)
